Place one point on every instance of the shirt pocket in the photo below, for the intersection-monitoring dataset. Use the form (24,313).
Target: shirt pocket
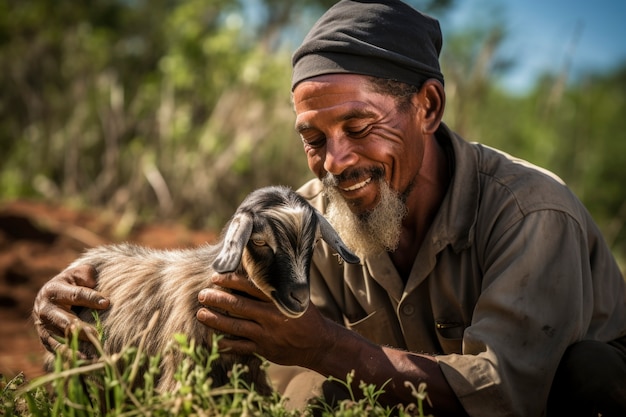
(450,335)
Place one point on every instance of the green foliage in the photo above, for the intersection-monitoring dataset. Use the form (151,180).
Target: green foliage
(573,129)
(368,404)
(168,109)
(103,388)
(175,109)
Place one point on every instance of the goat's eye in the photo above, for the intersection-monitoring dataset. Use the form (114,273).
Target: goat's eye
(259,242)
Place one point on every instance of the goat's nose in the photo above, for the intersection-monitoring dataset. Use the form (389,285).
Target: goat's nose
(300,295)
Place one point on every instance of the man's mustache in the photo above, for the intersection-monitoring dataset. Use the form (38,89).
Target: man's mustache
(331,180)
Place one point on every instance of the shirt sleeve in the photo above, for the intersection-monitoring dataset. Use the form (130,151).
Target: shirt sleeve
(535,301)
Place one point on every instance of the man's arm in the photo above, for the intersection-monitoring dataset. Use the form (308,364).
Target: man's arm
(52,310)
(317,343)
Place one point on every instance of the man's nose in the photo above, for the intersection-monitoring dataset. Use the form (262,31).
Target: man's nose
(340,155)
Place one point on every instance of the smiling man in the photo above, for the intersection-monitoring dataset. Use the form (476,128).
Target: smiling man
(482,275)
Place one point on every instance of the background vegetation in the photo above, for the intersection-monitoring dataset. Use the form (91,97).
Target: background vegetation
(175,109)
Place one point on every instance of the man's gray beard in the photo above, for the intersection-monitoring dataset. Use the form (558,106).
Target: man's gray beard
(372,232)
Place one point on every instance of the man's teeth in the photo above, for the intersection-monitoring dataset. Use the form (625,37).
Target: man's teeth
(359,185)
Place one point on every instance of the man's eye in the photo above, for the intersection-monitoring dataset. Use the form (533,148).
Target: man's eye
(314,142)
(358,132)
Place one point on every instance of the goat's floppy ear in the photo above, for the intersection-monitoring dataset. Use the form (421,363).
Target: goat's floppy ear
(330,236)
(237,235)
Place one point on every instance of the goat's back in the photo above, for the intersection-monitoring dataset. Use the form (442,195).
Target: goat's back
(142,282)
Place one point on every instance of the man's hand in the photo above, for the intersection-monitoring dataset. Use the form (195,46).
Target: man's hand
(52,314)
(258,325)
(316,343)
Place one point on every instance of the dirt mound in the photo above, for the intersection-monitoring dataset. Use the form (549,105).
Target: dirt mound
(37,241)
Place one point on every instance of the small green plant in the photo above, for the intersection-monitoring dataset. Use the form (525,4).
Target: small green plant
(368,404)
(106,387)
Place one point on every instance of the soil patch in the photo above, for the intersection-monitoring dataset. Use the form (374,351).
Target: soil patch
(37,241)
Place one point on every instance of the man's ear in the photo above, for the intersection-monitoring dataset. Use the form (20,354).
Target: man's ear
(431,102)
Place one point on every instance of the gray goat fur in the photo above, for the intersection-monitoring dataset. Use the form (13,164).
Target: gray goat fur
(270,238)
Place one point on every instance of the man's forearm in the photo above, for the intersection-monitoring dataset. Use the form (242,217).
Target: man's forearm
(375,364)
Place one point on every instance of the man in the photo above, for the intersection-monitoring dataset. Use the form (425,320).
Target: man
(482,276)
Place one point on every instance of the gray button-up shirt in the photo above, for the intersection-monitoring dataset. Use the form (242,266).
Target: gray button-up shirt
(512,271)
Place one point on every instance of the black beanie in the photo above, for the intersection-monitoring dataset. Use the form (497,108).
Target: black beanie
(385,39)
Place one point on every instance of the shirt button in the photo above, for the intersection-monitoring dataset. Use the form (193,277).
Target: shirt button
(408,309)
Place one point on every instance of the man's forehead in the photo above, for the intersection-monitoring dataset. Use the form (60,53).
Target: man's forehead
(343,112)
(331,90)
(337,80)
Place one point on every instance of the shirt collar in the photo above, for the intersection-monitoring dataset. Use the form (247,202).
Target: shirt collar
(456,218)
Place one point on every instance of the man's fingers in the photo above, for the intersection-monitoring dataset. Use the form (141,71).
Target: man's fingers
(85,331)
(239,346)
(73,287)
(61,346)
(48,342)
(226,324)
(52,311)
(238,283)
(233,304)
(82,275)
(68,294)
(58,323)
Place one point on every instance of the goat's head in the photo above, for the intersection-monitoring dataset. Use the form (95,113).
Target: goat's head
(272,235)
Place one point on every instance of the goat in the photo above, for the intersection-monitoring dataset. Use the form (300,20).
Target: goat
(270,238)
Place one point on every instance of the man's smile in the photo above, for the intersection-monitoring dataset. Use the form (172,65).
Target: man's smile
(358,185)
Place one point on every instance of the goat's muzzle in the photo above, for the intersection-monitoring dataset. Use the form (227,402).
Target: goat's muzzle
(294,300)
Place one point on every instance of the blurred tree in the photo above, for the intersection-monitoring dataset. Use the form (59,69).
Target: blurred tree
(178,108)
(570,128)
(162,104)
(113,102)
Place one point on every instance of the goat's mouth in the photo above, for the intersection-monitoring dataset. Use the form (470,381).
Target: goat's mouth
(293,305)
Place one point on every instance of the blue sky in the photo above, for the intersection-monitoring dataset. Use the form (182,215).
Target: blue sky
(542,33)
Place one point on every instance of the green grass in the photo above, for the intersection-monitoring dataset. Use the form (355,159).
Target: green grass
(80,388)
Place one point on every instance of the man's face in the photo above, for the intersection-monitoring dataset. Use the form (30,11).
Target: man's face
(358,142)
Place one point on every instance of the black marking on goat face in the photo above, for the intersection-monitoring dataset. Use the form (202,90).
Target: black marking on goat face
(280,247)
(280,250)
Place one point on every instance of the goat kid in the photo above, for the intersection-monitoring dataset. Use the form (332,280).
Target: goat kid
(270,238)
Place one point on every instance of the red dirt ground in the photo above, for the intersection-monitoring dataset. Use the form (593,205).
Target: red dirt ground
(39,240)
